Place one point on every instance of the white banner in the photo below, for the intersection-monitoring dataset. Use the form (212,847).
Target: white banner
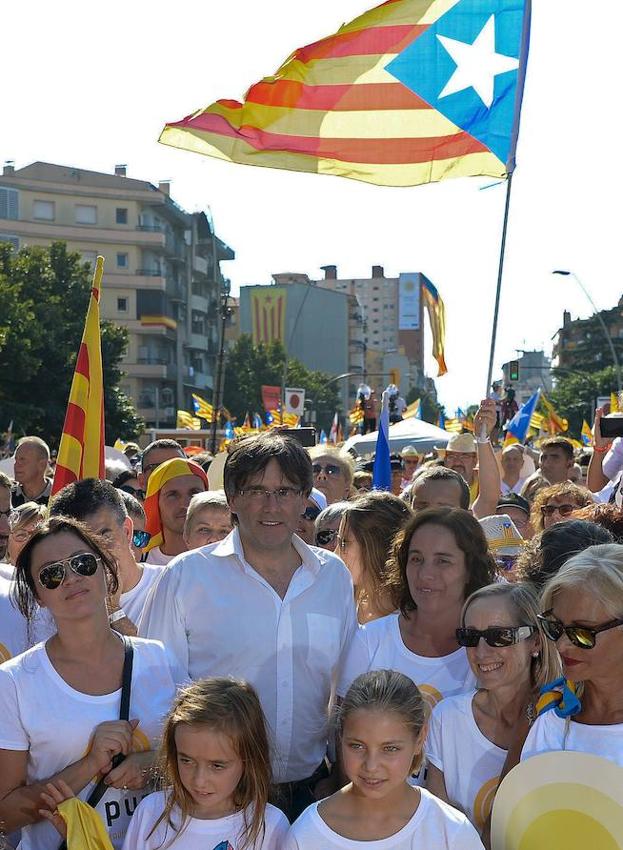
(409,301)
(295,401)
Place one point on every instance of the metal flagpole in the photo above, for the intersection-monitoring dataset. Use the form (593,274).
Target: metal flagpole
(498,291)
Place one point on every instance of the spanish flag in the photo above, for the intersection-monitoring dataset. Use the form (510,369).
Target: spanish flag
(437,316)
(81,450)
(386,100)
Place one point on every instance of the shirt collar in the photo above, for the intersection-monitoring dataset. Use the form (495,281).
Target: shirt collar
(311,558)
(45,492)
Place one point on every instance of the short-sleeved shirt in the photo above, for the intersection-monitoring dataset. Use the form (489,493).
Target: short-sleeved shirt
(133,601)
(470,762)
(41,714)
(550,733)
(226,832)
(434,826)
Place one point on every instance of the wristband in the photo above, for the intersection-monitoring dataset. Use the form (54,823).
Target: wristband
(117,615)
(602,449)
(483,442)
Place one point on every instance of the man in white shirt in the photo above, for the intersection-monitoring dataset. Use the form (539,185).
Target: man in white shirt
(264,606)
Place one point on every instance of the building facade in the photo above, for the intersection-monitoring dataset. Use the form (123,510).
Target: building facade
(580,344)
(162,274)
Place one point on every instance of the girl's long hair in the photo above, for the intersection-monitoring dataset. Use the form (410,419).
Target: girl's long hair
(232,707)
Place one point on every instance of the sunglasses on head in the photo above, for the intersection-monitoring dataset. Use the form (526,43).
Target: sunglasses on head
(580,636)
(53,575)
(328,469)
(140,539)
(323,538)
(311,513)
(496,636)
(138,494)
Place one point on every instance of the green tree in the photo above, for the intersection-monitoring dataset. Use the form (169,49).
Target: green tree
(575,395)
(250,366)
(429,406)
(44,294)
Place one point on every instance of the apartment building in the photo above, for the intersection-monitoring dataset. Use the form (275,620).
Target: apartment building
(162,275)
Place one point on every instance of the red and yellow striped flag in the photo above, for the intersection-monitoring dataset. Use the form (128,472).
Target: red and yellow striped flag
(347,105)
(81,450)
(437,316)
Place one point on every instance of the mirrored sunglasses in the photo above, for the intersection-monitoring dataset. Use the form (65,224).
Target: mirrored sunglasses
(323,538)
(581,636)
(53,575)
(140,539)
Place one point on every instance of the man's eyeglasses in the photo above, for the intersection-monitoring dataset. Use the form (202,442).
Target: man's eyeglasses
(259,494)
(497,636)
(53,575)
(140,539)
(311,514)
(328,469)
(580,636)
(563,510)
(326,536)
(138,494)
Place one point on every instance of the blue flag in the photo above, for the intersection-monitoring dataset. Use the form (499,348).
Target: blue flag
(520,423)
(382,470)
(323,437)
(268,418)
(229,431)
(257,421)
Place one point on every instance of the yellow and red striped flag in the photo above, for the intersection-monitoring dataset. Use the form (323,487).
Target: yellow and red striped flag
(81,450)
(384,100)
(437,316)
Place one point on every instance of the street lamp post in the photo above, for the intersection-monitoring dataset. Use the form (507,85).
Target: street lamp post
(597,314)
(217,398)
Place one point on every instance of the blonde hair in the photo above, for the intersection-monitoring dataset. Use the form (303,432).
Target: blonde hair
(342,459)
(27,513)
(215,499)
(387,691)
(580,496)
(524,603)
(598,570)
(232,707)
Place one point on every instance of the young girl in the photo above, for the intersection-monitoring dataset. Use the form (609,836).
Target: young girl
(216,772)
(382,728)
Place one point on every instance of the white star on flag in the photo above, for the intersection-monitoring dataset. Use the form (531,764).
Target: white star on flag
(477,64)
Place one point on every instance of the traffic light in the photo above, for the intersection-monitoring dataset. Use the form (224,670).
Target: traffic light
(513,370)
(394,376)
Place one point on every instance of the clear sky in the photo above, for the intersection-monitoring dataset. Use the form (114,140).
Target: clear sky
(91,85)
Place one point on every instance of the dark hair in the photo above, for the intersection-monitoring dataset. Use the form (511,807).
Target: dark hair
(25,592)
(203,459)
(251,455)
(544,555)
(82,499)
(470,538)
(132,505)
(558,443)
(442,473)
(124,477)
(165,443)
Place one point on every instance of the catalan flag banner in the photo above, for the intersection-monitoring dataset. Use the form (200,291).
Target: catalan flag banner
(410,92)
(587,434)
(614,403)
(202,408)
(81,450)
(557,424)
(437,316)
(186,420)
(268,314)
(517,428)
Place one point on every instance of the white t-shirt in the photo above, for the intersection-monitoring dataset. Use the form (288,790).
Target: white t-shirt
(16,633)
(157,558)
(548,734)
(379,646)
(220,834)
(516,488)
(42,714)
(434,826)
(133,601)
(470,762)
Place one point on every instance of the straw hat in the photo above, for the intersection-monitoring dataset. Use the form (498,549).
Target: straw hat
(464,443)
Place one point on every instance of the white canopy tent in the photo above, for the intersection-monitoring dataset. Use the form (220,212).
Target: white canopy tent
(410,432)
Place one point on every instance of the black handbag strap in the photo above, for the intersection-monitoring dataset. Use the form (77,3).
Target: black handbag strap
(124,714)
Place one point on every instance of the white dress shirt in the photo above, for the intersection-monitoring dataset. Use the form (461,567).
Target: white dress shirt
(217,616)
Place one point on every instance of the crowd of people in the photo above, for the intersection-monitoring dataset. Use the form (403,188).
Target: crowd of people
(279,656)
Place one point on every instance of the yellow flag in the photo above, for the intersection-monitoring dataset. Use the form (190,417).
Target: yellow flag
(614,403)
(185,420)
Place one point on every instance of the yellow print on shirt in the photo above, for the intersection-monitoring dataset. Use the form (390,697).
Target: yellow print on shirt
(484,801)
(431,695)
(4,654)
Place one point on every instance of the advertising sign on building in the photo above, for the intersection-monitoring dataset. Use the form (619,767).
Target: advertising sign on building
(409,301)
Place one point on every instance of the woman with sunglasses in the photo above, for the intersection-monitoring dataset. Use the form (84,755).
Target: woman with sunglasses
(469,734)
(439,558)
(583,615)
(315,503)
(327,525)
(333,473)
(557,503)
(60,700)
(365,538)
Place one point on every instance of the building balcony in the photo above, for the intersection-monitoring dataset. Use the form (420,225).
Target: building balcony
(149,228)
(83,234)
(150,369)
(198,302)
(200,264)
(135,326)
(198,341)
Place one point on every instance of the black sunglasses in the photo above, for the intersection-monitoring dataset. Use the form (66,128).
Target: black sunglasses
(138,494)
(140,539)
(580,636)
(53,575)
(496,636)
(311,514)
(328,469)
(323,538)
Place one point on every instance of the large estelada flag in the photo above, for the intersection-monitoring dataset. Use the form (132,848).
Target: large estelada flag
(81,450)
(410,92)
(268,314)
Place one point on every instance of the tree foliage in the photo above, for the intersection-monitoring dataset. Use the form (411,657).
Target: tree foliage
(429,405)
(249,367)
(575,394)
(44,294)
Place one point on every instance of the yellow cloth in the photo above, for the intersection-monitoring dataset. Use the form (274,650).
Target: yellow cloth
(85,830)
(474,490)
